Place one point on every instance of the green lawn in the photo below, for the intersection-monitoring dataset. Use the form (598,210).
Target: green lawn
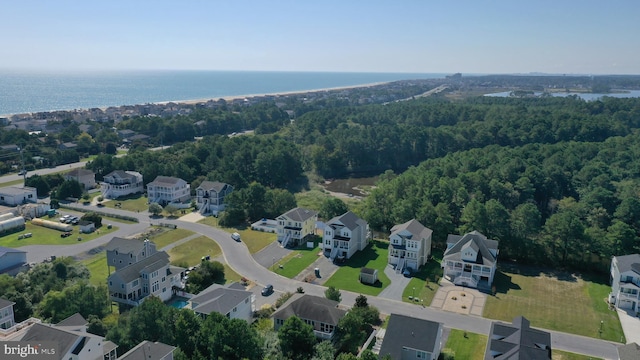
(230,275)
(297,261)
(169,237)
(347,277)
(469,347)
(97,266)
(255,240)
(11,183)
(133,203)
(191,252)
(557,301)
(46,236)
(425,290)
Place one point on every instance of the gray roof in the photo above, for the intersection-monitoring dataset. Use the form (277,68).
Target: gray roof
(300,214)
(73,320)
(517,341)
(122,174)
(125,246)
(629,263)
(5,303)
(165,180)
(79,172)
(475,240)
(212,185)
(365,270)
(16,190)
(6,250)
(148,350)
(348,219)
(311,308)
(410,332)
(416,229)
(630,351)
(219,299)
(151,263)
(41,332)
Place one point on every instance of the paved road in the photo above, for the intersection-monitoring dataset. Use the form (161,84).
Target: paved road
(237,255)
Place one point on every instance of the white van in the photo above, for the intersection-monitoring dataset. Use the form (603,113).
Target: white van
(235,236)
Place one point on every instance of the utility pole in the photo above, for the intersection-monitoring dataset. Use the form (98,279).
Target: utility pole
(24,173)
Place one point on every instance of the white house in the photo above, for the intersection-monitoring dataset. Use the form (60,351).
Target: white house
(344,235)
(409,245)
(625,282)
(233,302)
(295,225)
(470,260)
(120,183)
(16,195)
(411,338)
(152,275)
(86,178)
(11,258)
(7,319)
(123,252)
(210,197)
(168,190)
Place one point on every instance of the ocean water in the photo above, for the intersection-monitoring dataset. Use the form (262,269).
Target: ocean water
(23,92)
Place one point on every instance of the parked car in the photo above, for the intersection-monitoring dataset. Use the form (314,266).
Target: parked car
(22,172)
(407,272)
(235,236)
(267,290)
(65,234)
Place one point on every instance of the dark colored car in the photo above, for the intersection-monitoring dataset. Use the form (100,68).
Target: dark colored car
(407,272)
(267,290)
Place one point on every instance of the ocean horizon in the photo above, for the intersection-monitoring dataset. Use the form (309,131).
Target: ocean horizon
(23,91)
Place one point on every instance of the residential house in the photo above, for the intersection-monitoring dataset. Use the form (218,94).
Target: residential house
(321,313)
(232,301)
(124,252)
(125,133)
(409,245)
(295,226)
(411,338)
(7,319)
(68,146)
(517,341)
(344,235)
(121,183)
(11,259)
(210,197)
(86,227)
(86,178)
(629,351)
(17,195)
(168,190)
(470,260)
(625,282)
(148,350)
(152,275)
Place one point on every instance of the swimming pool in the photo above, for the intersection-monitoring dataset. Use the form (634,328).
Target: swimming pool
(178,302)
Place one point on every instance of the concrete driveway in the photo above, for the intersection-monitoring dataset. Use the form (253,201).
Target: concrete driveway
(630,325)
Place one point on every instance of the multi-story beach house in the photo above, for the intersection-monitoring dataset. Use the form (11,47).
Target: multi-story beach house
(123,252)
(210,197)
(625,282)
(470,260)
(321,313)
(344,235)
(295,226)
(166,190)
(86,178)
(121,183)
(233,302)
(409,245)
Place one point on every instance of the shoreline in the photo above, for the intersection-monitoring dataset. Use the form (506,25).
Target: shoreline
(226,98)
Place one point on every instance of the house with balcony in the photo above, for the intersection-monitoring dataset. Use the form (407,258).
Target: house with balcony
(344,235)
(7,320)
(625,282)
(166,190)
(210,197)
(86,178)
(409,245)
(319,312)
(232,301)
(121,183)
(123,252)
(295,226)
(152,275)
(517,341)
(411,338)
(470,260)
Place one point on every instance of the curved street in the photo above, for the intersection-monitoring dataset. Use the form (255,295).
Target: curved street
(238,257)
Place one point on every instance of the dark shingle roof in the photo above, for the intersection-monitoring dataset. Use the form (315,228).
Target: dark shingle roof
(369,271)
(79,172)
(415,228)
(152,263)
(5,303)
(410,332)
(73,320)
(219,299)
(311,308)
(629,263)
(630,351)
(41,332)
(348,219)
(475,240)
(212,185)
(517,341)
(125,246)
(300,214)
(164,180)
(148,350)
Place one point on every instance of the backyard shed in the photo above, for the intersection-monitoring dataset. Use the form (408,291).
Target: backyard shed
(368,276)
(86,227)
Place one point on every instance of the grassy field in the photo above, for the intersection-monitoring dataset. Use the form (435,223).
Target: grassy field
(255,240)
(46,236)
(170,236)
(97,266)
(465,345)
(425,290)
(134,203)
(11,183)
(296,262)
(347,277)
(312,199)
(557,301)
(230,275)
(191,252)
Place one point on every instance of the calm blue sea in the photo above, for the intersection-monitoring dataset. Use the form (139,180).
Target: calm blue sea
(22,92)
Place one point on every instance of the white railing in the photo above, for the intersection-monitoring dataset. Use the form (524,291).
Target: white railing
(334,252)
(286,239)
(204,207)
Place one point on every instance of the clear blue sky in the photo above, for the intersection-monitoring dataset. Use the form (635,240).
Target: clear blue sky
(476,36)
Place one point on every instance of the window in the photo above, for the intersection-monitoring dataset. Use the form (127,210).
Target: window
(164,279)
(235,309)
(154,274)
(155,286)
(135,282)
(122,286)
(421,354)
(164,289)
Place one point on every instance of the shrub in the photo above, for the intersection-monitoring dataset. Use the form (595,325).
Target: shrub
(283,299)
